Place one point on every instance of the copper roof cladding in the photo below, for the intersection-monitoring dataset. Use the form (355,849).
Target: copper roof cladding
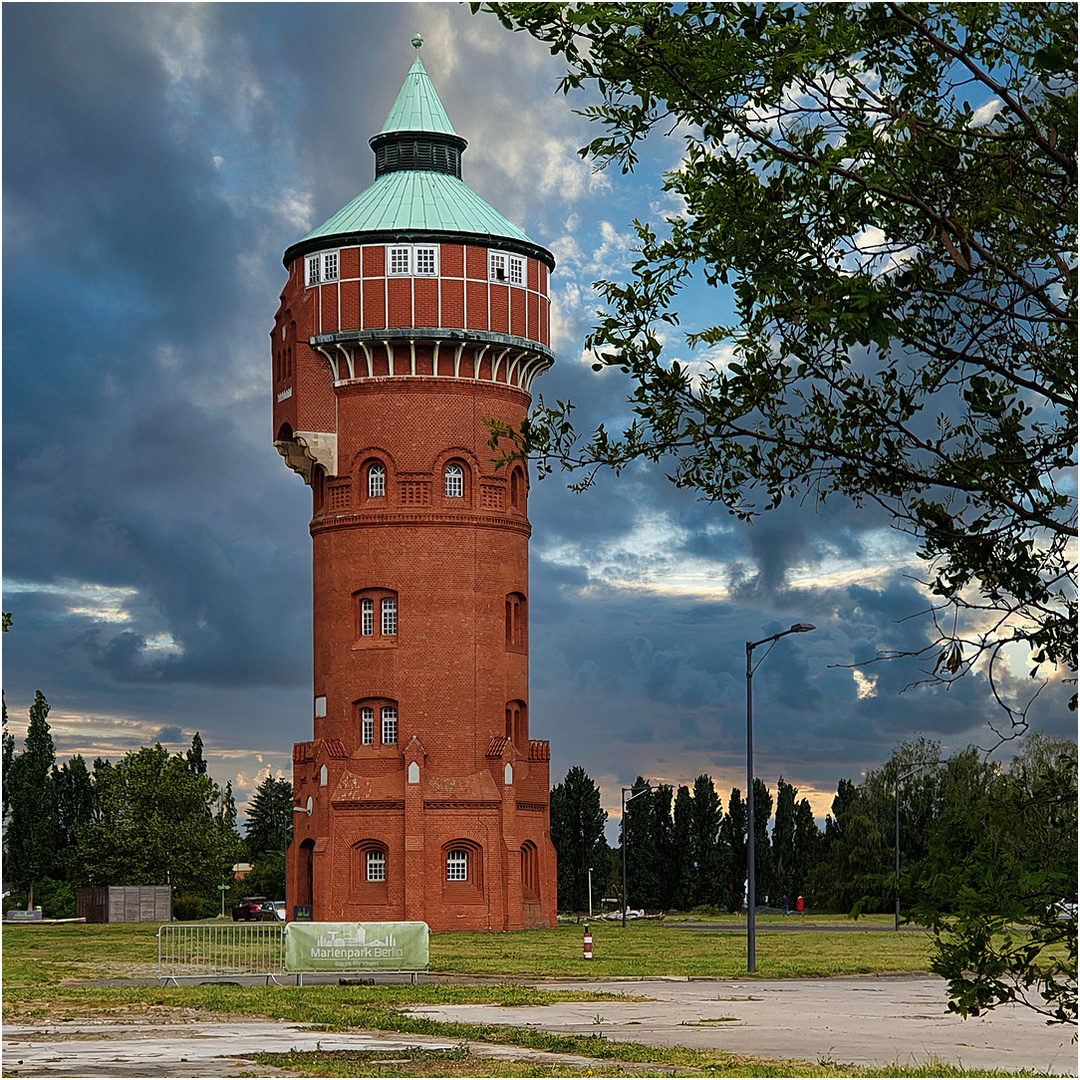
(418,191)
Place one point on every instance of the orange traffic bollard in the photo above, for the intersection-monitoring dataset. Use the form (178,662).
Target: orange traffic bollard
(588,943)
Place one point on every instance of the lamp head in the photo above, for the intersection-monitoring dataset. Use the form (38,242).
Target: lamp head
(802,628)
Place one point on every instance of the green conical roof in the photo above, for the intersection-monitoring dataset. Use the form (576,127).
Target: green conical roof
(417,106)
(418,186)
(424,201)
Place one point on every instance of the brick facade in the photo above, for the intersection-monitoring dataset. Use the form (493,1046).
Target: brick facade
(428,796)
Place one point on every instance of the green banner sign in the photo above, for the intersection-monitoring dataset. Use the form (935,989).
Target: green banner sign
(383,946)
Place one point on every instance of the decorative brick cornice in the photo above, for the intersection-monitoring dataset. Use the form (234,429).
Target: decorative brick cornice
(483,519)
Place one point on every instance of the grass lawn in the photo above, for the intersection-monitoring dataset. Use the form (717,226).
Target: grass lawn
(55,954)
(41,962)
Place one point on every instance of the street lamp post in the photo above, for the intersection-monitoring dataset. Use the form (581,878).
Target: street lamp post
(622,830)
(912,767)
(590,892)
(751,667)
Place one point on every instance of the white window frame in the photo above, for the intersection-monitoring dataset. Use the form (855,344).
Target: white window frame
(420,251)
(454,481)
(311,271)
(388,616)
(375,865)
(389,725)
(412,260)
(457,865)
(497,267)
(376,480)
(330,266)
(367,726)
(367,617)
(515,273)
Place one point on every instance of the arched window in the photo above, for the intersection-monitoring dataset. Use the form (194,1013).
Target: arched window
(377,720)
(374,865)
(517,490)
(517,621)
(377,630)
(457,865)
(463,861)
(388,623)
(455,481)
(530,872)
(370,870)
(389,725)
(376,480)
(517,723)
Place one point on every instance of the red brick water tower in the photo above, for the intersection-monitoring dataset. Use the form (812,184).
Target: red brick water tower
(409,318)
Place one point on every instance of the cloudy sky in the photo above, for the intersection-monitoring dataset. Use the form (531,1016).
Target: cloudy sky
(158,160)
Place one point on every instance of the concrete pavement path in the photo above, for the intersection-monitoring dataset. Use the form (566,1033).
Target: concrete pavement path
(871,1020)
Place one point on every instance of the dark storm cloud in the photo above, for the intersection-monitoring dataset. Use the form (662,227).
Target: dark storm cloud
(169,735)
(158,159)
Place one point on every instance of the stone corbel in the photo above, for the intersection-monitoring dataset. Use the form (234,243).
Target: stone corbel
(306,449)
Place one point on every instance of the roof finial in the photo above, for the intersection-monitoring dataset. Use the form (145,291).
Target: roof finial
(417,41)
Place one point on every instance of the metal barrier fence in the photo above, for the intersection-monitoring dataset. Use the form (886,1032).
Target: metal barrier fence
(211,950)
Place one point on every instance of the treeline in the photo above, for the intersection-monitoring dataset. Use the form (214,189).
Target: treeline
(687,848)
(152,818)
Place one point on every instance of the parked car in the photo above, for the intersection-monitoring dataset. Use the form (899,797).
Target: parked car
(254,907)
(279,910)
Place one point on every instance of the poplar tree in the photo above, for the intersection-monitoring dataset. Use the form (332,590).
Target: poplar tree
(705,819)
(577,833)
(30,835)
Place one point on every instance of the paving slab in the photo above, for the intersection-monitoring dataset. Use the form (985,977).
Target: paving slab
(873,1021)
(206,1048)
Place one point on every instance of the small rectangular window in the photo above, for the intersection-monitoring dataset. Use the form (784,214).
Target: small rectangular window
(367,617)
(389,616)
(426,261)
(312,270)
(457,866)
(376,866)
(367,727)
(496,266)
(389,725)
(517,271)
(330,266)
(399,261)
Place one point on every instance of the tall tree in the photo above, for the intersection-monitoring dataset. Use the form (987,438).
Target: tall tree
(903,271)
(783,840)
(638,833)
(577,833)
(268,828)
(195,760)
(662,849)
(683,871)
(1015,866)
(74,805)
(764,876)
(807,847)
(31,831)
(709,865)
(157,826)
(733,845)
(8,747)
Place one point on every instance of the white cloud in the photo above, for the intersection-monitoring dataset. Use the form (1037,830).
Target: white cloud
(986,112)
